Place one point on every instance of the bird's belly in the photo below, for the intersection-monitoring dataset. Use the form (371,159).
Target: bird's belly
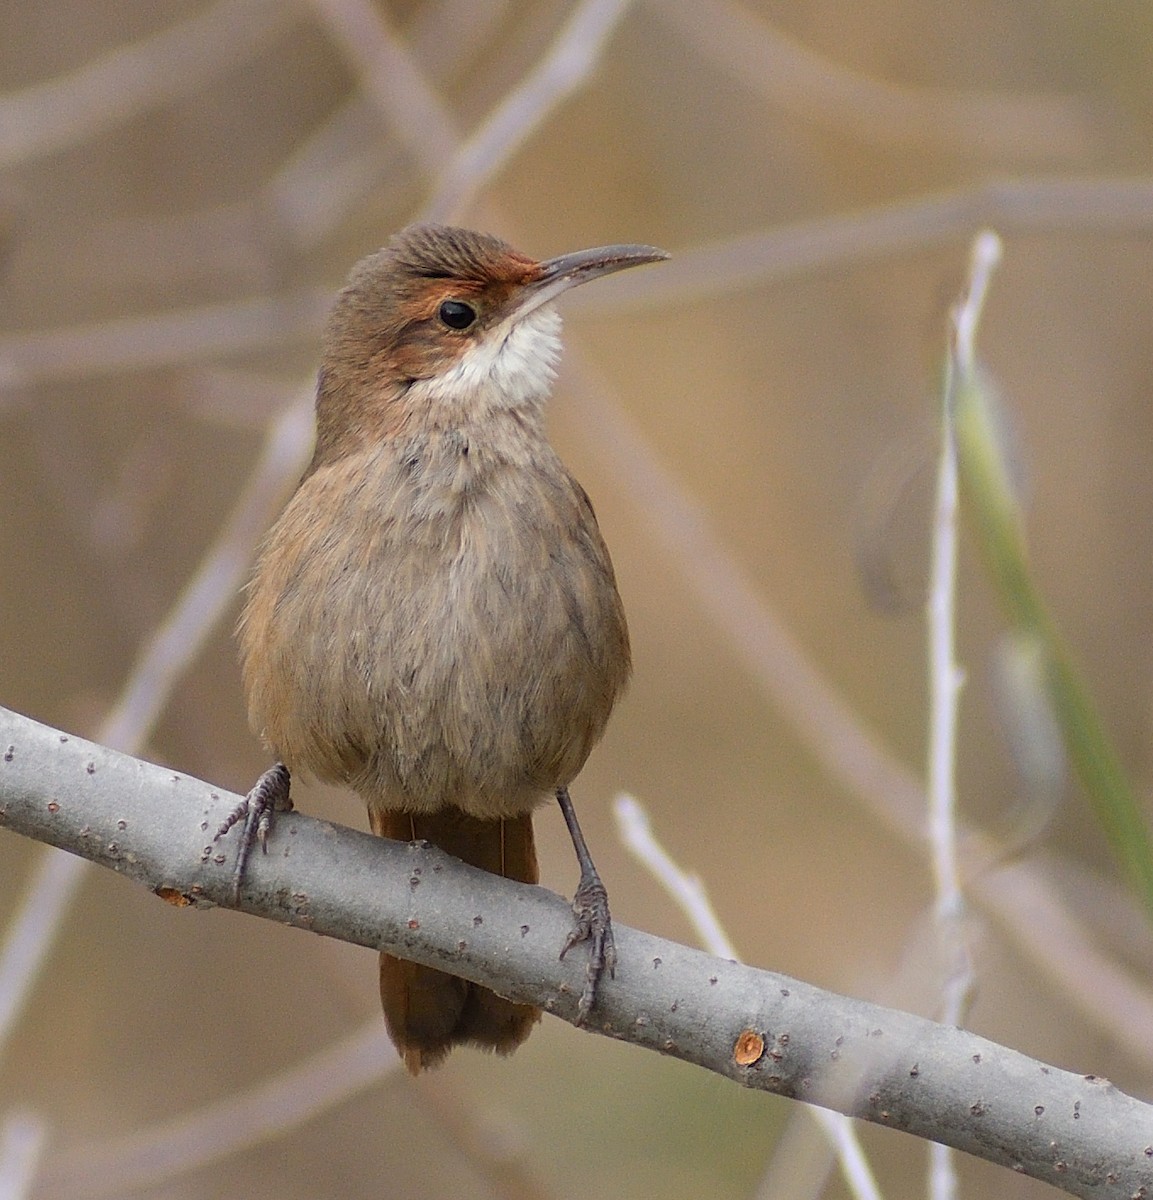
(479,678)
(495,682)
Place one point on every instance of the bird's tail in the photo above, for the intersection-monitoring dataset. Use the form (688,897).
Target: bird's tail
(427,1011)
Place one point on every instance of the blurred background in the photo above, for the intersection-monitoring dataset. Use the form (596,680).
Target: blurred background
(183,186)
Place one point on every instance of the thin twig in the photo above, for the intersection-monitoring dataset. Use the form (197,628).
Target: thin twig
(161,339)
(1090,207)
(391,78)
(562,70)
(796,78)
(1099,207)
(22,1139)
(125,82)
(689,893)
(945,681)
(174,645)
(271,1108)
(986,255)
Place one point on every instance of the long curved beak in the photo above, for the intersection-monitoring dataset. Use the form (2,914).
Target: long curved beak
(569,270)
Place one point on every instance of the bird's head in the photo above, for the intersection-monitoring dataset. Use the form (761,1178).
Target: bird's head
(445,323)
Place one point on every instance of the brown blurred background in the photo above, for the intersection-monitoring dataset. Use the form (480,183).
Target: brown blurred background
(182,187)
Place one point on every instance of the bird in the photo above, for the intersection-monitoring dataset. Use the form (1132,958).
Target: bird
(433,621)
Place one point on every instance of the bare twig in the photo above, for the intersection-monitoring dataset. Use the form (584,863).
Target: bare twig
(270,1109)
(945,676)
(174,645)
(164,339)
(562,70)
(945,680)
(1097,207)
(687,891)
(391,79)
(122,83)
(690,894)
(757,1028)
(22,1139)
(796,78)
(986,254)
(1081,206)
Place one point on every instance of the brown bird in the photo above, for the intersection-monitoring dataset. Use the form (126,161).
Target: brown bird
(433,620)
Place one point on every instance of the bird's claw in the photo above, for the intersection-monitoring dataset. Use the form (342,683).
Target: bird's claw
(271,794)
(593,925)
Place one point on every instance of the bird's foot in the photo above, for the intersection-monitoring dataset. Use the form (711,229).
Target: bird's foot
(593,925)
(270,795)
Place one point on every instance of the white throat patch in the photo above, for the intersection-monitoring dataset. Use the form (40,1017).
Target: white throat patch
(506,369)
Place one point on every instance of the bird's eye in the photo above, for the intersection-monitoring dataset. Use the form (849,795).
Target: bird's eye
(456,314)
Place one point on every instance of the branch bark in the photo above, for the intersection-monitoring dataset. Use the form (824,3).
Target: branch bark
(755,1027)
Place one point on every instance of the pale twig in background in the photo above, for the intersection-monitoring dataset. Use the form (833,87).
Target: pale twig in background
(499,1151)
(335,170)
(946,677)
(270,1109)
(390,77)
(174,645)
(688,891)
(212,590)
(563,69)
(690,895)
(160,339)
(341,163)
(1101,207)
(986,254)
(121,84)
(811,86)
(22,1138)
(945,680)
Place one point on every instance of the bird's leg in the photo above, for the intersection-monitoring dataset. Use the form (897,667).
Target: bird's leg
(591,907)
(271,794)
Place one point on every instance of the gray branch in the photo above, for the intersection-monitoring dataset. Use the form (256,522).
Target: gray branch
(757,1028)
